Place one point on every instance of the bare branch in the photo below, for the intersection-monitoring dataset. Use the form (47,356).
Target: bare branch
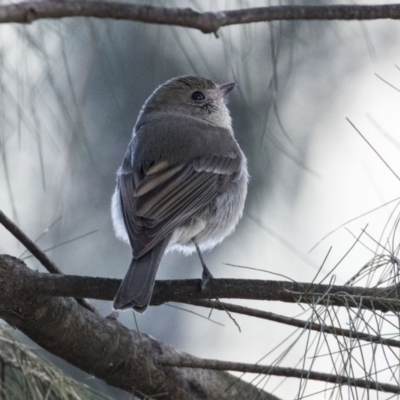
(193,362)
(124,358)
(29,244)
(207,22)
(189,290)
(252,312)
(39,255)
(105,348)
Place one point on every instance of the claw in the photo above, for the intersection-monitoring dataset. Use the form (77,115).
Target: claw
(206,277)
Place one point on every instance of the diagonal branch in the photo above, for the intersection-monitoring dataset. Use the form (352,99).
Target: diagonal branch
(39,255)
(185,361)
(207,22)
(29,244)
(308,325)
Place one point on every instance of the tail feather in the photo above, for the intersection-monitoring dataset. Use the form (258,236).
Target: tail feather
(137,287)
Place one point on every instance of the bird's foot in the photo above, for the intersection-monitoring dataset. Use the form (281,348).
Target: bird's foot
(206,277)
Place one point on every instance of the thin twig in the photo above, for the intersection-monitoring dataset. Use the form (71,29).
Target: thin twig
(373,148)
(29,244)
(186,361)
(252,312)
(39,255)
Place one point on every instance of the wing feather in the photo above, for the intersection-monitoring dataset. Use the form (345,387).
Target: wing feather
(167,196)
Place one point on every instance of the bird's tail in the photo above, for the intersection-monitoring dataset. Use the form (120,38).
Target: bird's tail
(136,288)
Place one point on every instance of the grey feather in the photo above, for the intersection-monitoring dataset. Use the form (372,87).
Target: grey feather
(136,288)
(183,178)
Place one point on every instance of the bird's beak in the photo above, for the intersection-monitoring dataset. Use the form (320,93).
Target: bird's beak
(225,88)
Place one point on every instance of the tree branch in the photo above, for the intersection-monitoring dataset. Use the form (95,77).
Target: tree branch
(308,325)
(104,347)
(37,253)
(123,358)
(194,362)
(207,22)
(189,290)
(29,244)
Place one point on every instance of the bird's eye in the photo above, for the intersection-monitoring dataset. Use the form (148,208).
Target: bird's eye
(198,96)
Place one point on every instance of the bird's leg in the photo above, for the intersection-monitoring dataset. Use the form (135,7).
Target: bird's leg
(206,272)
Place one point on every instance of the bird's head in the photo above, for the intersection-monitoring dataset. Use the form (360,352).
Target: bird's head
(192,96)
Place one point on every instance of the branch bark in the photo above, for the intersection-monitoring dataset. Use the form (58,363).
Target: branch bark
(189,290)
(104,347)
(36,252)
(127,359)
(307,325)
(194,362)
(207,22)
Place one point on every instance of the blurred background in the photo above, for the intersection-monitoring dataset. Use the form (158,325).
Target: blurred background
(70,92)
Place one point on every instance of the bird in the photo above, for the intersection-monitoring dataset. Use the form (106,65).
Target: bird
(182,184)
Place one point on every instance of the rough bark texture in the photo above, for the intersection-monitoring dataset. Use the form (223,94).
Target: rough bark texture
(104,347)
(382,299)
(207,22)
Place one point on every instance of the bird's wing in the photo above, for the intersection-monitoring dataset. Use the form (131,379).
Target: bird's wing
(166,196)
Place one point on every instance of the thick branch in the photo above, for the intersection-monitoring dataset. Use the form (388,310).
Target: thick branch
(126,359)
(190,290)
(105,348)
(206,22)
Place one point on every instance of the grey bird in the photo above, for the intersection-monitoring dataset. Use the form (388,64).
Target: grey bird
(182,184)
